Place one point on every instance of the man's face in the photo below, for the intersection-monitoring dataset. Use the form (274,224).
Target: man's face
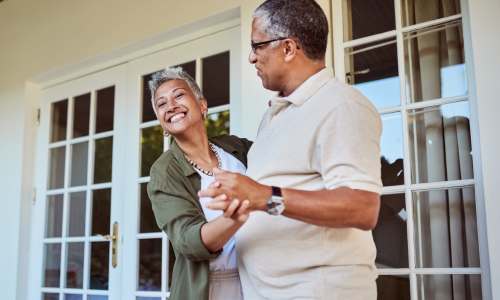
(177,108)
(267,60)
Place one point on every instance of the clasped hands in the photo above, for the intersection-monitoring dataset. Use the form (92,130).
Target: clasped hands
(236,194)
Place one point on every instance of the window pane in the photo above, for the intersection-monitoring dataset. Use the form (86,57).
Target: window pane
(50,296)
(367,17)
(52,265)
(72,297)
(103,160)
(390,235)
(76,216)
(435,63)
(151,147)
(373,69)
(81,116)
(394,287)
(189,67)
(392,150)
(53,221)
(415,11)
(150,262)
(79,159)
(449,287)
(99,266)
(74,265)
(97,297)
(440,143)
(105,109)
(445,228)
(101,211)
(148,298)
(215,79)
(57,163)
(147,218)
(217,123)
(59,120)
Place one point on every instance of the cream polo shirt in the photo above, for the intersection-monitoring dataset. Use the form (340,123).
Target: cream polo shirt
(324,135)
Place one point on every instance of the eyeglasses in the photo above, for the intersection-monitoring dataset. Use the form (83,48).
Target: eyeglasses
(257,45)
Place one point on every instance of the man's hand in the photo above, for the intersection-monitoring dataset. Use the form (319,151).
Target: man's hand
(229,186)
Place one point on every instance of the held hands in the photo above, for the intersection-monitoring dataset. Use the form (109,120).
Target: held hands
(228,187)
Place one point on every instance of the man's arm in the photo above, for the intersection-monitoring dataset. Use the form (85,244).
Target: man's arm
(341,208)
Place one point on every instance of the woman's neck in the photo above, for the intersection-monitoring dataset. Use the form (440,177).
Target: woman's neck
(195,146)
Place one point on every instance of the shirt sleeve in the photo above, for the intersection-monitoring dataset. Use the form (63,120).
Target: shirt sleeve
(178,216)
(348,148)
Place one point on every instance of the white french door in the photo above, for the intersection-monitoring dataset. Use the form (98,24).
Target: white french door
(94,236)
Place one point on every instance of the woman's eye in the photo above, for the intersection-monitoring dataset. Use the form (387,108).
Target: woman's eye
(179,95)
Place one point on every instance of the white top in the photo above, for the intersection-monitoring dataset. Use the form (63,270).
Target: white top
(324,135)
(227,259)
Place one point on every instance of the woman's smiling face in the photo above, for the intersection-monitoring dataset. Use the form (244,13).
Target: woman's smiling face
(177,108)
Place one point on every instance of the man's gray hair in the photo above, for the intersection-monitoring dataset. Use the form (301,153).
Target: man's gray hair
(303,20)
(174,73)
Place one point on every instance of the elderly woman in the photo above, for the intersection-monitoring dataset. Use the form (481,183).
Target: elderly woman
(202,239)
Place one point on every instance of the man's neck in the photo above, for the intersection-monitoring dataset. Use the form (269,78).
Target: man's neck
(297,78)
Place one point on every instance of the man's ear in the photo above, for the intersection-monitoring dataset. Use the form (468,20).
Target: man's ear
(290,49)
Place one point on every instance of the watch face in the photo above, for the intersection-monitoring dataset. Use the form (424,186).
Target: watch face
(275,205)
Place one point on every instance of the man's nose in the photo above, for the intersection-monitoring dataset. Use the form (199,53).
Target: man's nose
(252,58)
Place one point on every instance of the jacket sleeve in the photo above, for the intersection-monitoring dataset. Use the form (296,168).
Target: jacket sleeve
(178,216)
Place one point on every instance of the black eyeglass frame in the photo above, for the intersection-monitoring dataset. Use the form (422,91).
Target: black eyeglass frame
(256,45)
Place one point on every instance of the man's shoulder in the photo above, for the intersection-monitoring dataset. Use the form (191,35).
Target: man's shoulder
(337,94)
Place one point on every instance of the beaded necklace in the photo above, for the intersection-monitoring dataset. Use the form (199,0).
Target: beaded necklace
(197,167)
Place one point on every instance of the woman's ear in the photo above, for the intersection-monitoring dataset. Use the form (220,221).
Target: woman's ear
(204,107)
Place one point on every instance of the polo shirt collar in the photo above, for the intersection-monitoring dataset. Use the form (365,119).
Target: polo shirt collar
(306,90)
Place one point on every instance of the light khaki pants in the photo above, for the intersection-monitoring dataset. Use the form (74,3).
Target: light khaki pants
(225,285)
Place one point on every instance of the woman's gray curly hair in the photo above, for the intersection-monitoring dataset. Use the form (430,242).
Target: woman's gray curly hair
(173,73)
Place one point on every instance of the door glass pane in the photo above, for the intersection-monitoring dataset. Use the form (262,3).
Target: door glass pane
(392,150)
(390,235)
(148,113)
(151,147)
(147,219)
(150,262)
(105,109)
(54,216)
(215,79)
(79,159)
(52,265)
(415,11)
(74,265)
(57,163)
(147,298)
(445,228)
(59,120)
(72,297)
(81,116)
(50,296)
(217,123)
(99,266)
(440,143)
(373,69)
(435,63)
(449,287)
(101,211)
(394,287)
(189,67)
(76,218)
(103,160)
(367,17)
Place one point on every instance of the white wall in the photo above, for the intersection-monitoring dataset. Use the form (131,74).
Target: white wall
(484,32)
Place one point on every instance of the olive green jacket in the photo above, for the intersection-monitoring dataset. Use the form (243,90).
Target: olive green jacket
(173,192)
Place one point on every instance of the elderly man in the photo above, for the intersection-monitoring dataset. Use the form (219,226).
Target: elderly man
(313,171)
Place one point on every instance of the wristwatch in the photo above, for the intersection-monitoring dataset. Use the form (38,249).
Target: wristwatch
(275,205)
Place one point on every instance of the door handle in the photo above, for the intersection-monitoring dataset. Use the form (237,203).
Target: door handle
(113,238)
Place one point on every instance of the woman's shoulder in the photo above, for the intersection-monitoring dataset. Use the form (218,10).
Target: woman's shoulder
(230,142)
(164,166)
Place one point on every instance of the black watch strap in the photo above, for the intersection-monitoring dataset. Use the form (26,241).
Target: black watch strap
(276,191)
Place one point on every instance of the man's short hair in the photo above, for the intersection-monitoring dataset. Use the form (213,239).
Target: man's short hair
(174,73)
(303,20)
